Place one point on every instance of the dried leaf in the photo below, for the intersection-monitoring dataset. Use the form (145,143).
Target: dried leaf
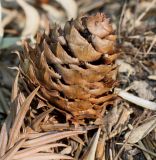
(46,156)
(50,138)
(70,7)
(4,139)
(5,130)
(19,119)
(33,150)
(15,86)
(13,150)
(90,154)
(39,118)
(32,19)
(137,100)
(124,116)
(100,151)
(140,132)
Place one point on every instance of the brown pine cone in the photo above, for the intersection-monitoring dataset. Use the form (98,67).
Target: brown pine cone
(74,67)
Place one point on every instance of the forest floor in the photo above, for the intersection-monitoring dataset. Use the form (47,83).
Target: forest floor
(134,22)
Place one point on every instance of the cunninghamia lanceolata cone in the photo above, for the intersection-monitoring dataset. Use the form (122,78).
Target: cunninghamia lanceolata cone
(74,67)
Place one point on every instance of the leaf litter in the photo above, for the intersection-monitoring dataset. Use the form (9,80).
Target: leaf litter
(140,38)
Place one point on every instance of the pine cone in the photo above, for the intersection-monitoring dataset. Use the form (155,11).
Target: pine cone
(74,67)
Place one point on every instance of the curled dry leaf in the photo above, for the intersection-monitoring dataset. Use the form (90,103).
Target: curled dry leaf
(32,19)
(70,7)
(140,132)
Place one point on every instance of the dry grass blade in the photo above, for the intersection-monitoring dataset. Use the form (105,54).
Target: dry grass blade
(32,19)
(5,130)
(33,150)
(13,150)
(50,138)
(4,139)
(39,118)
(15,87)
(19,119)
(46,156)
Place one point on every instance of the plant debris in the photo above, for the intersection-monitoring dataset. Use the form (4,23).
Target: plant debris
(122,130)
